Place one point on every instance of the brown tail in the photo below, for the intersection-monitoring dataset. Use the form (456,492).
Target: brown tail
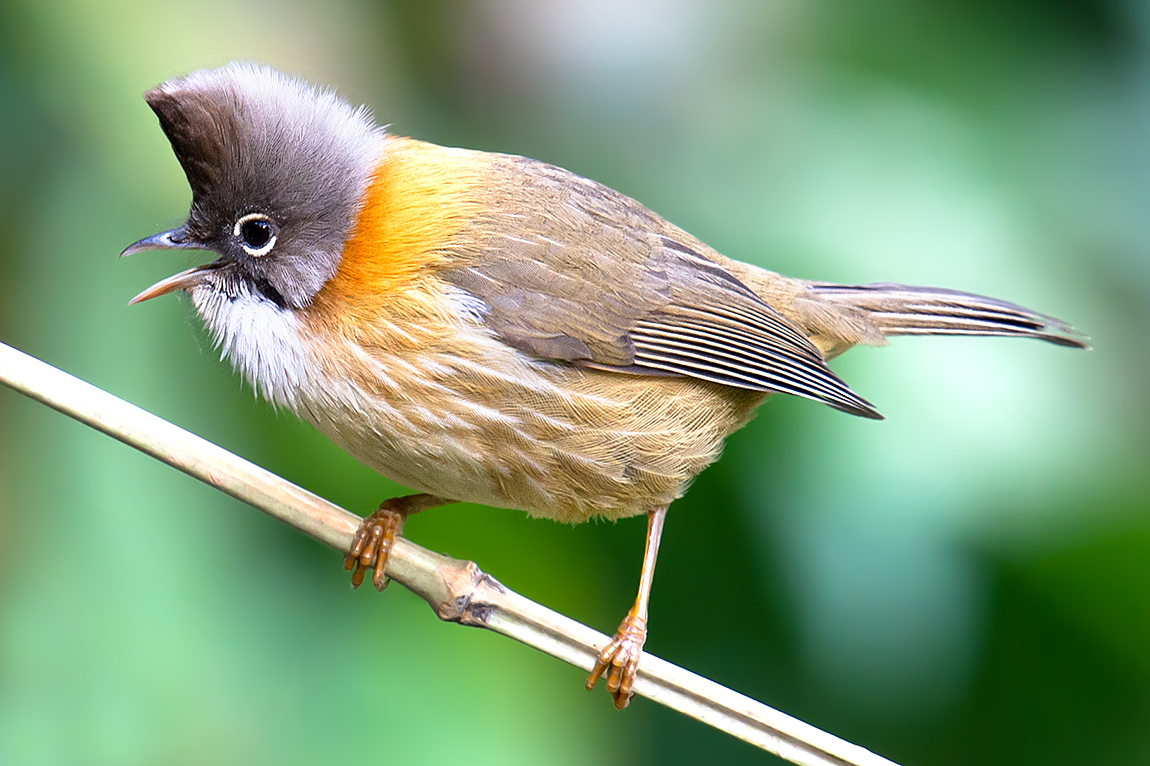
(906,310)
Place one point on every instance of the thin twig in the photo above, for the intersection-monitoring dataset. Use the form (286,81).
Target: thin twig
(457,590)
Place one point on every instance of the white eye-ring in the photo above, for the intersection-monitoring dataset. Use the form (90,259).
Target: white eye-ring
(256,234)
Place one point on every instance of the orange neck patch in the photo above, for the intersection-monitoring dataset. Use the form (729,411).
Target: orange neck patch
(418,199)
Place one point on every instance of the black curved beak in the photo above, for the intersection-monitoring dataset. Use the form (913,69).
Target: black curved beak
(176,239)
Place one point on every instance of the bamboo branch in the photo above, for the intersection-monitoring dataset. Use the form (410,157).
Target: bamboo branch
(458,591)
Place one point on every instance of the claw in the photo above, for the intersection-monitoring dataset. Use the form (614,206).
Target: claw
(373,542)
(357,575)
(376,537)
(620,660)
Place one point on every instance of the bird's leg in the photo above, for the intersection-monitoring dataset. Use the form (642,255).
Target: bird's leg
(376,536)
(619,660)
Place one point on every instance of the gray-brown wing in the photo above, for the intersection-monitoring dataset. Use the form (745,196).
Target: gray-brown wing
(598,281)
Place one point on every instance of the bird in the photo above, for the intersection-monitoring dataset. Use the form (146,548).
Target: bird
(488,328)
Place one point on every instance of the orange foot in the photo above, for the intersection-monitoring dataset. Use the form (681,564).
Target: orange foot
(620,660)
(373,542)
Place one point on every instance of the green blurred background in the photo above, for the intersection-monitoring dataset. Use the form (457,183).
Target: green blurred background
(966,582)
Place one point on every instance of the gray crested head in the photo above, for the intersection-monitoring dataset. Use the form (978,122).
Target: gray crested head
(277,168)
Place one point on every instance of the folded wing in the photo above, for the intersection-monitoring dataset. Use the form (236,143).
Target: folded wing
(593,284)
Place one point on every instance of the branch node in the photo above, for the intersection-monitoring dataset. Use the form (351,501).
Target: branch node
(465,595)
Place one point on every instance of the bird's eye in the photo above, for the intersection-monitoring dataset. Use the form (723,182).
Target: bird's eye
(256,234)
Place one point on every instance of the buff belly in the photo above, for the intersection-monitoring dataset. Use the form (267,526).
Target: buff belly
(553,440)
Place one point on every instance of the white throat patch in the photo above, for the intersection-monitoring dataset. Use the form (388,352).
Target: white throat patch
(260,339)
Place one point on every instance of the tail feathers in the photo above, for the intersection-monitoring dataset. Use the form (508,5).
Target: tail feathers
(906,310)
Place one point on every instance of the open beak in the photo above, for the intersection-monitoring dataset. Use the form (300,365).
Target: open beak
(176,239)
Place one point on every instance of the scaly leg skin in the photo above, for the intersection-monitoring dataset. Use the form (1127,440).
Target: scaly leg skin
(620,658)
(376,536)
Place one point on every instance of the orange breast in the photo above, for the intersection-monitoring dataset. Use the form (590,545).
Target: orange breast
(416,203)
